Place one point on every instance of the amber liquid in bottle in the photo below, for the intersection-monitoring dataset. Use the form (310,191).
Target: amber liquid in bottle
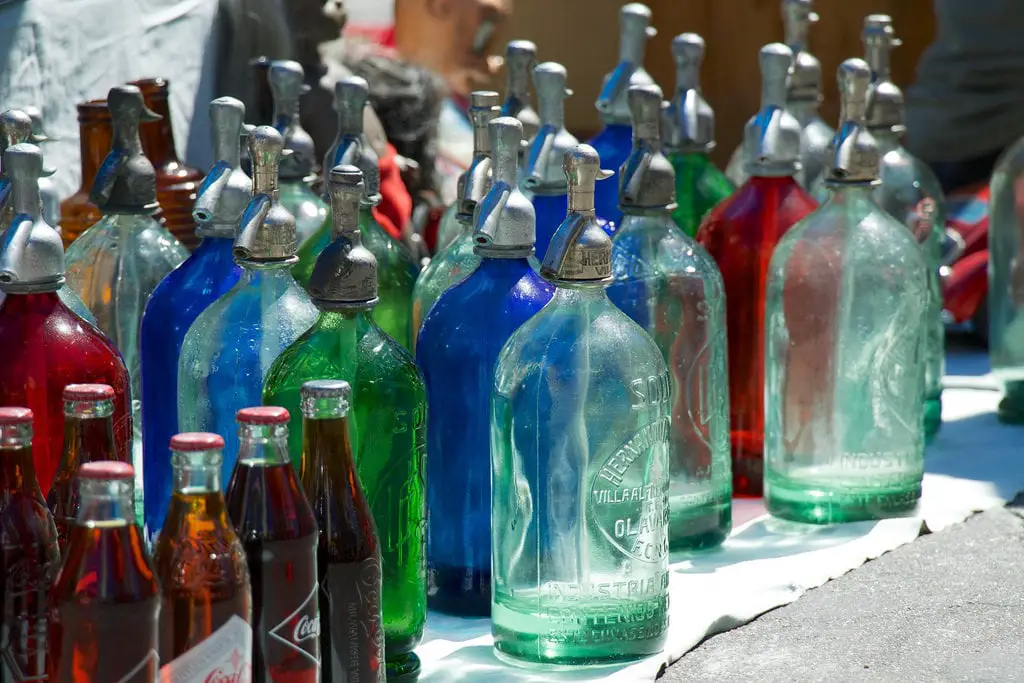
(77,213)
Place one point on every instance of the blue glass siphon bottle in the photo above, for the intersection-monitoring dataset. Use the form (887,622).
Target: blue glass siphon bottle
(457,351)
(207,274)
(670,286)
(232,344)
(580,471)
(615,140)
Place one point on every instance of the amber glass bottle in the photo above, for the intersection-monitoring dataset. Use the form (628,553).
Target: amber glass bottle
(76,212)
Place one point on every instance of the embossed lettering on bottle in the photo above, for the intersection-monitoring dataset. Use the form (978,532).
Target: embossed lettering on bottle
(357,649)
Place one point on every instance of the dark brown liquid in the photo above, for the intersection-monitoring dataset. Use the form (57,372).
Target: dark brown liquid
(77,213)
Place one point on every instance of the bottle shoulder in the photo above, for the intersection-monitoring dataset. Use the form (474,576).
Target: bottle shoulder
(659,248)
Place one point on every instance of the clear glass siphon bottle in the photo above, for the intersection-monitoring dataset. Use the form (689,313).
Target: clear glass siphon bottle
(206,597)
(298,164)
(457,351)
(348,554)
(44,345)
(18,126)
(741,234)
(88,437)
(803,98)
(455,262)
(614,142)
(29,554)
(207,274)
(847,300)
(579,450)
(275,523)
(671,287)
(688,134)
(230,347)
(389,416)
(105,602)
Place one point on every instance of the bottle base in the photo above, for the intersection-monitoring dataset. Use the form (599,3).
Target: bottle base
(403,668)
(699,530)
(802,501)
(932,418)
(460,591)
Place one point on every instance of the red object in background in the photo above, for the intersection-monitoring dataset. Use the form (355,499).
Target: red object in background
(395,209)
(741,234)
(43,348)
(965,281)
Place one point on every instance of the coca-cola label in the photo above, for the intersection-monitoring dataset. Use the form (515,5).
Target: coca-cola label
(300,630)
(224,657)
(353,621)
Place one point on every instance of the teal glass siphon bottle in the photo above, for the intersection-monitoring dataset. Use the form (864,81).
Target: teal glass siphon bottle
(455,262)
(689,136)
(389,416)
(298,162)
(580,472)
(228,350)
(116,264)
(846,330)
(669,285)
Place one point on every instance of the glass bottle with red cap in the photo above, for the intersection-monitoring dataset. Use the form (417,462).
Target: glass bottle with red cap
(44,345)
(29,557)
(88,437)
(206,612)
(740,234)
(105,602)
(275,522)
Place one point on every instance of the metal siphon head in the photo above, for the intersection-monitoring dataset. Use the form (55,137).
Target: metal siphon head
(853,155)
(647,181)
(771,139)
(505,221)
(634,31)
(287,85)
(31,251)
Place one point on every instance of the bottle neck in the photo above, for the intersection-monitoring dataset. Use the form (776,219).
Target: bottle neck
(158,136)
(518,84)
(263,445)
(105,502)
(326,444)
(286,111)
(886,140)
(345,212)
(25,198)
(96,137)
(228,148)
(197,472)
(88,437)
(17,468)
(551,111)
(127,138)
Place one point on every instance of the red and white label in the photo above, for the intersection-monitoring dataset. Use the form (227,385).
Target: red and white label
(301,629)
(224,657)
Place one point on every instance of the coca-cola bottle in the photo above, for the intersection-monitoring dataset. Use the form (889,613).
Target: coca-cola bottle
(206,611)
(275,523)
(348,556)
(29,557)
(105,603)
(88,437)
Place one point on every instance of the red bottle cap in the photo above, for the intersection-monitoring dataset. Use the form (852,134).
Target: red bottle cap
(263,415)
(88,392)
(15,416)
(106,469)
(196,441)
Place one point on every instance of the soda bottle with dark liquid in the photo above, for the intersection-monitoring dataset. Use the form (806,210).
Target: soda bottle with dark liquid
(206,612)
(348,555)
(29,557)
(88,437)
(105,603)
(275,522)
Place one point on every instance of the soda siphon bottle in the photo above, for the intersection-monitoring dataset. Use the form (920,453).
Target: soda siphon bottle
(741,234)
(579,451)
(803,98)
(455,262)
(689,137)
(47,190)
(206,275)
(520,61)
(389,416)
(117,263)
(18,126)
(614,142)
(44,345)
(299,160)
(911,194)
(457,350)
(671,287)
(846,331)
(230,347)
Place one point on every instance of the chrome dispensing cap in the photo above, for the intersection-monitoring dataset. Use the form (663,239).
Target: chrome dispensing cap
(15,128)
(580,251)
(505,222)
(351,95)
(267,230)
(31,251)
(476,180)
(647,181)
(520,59)
(771,139)
(805,74)
(634,31)
(345,273)
(325,398)
(886,108)
(544,174)
(126,182)
(287,85)
(853,155)
(226,189)
(690,120)
(38,134)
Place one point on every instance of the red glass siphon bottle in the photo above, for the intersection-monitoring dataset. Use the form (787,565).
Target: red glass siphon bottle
(741,234)
(105,602)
